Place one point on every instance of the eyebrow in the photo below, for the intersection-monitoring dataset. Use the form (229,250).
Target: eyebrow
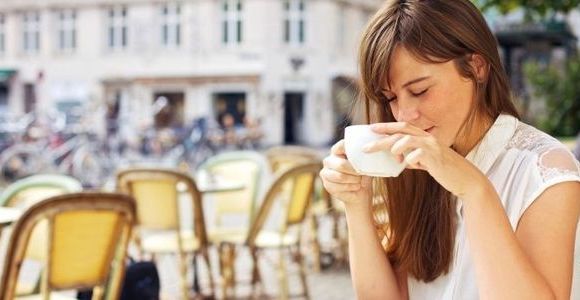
(412,82)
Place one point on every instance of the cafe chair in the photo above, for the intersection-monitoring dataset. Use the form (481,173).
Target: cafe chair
(86,245)
(285,237)
(24,193)
(159,226)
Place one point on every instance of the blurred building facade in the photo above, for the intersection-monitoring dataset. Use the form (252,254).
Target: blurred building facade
(281,62)
(549,41)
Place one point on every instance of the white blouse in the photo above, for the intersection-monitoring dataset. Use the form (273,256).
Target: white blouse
(521,162)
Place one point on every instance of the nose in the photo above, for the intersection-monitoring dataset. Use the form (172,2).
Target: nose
(407,111)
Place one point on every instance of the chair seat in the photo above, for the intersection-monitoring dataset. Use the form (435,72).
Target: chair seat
(230,235)
(166,242)
(53,296)
(25,288)
(265,239)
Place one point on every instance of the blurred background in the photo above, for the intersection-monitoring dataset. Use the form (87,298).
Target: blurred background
(88,88)
(139,77)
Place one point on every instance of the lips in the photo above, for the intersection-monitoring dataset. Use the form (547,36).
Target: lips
(430,129)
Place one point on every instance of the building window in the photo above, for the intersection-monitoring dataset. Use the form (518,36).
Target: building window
(117,28)
(294,15)
(2,33)
(171,25)
(232,22)
(31,32)
(66,28)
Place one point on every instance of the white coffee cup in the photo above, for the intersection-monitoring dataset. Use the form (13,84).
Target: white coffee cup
(377,164)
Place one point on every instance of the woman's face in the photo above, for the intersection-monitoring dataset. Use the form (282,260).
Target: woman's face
(432,97)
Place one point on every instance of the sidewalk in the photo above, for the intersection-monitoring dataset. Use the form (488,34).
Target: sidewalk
(331,284)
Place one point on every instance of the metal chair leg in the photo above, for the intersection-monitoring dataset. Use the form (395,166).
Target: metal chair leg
(302,267)
(315,244)
(282,276)
(227,269)
(183,274)
(205,254)
(256,277)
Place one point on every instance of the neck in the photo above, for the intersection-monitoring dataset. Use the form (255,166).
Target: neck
(476,131)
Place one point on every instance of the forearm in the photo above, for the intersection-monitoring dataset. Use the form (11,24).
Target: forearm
(503,271)
(372,273)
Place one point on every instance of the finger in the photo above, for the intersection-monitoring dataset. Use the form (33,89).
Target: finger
(397,127)
(334,188)
(406,144)
(413,159)
(339,164)
(383,144)
(337,177)
(338,148)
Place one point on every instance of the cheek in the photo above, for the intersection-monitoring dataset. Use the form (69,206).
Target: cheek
(433,106)
(454,103)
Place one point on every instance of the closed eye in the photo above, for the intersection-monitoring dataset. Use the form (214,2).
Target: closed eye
(420,93)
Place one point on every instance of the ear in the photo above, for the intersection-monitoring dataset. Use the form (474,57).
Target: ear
(480,67)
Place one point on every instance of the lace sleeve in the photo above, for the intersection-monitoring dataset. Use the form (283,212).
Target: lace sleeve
(557,164)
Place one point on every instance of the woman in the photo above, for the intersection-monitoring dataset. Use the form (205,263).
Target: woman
(488,206)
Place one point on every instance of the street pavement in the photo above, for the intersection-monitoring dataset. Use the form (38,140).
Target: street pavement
(333,283)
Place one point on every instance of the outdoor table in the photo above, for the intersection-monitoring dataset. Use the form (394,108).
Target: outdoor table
(8,215)
(220,187)
(208,184)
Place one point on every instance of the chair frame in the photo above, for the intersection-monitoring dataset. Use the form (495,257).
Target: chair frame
(49,209)
(227,249)
(58,181)
(124,179)
(278,156)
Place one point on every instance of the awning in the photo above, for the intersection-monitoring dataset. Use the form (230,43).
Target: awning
(5,74)
(553,32)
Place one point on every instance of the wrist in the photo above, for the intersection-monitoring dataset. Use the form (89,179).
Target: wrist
(357,208)
(483,189)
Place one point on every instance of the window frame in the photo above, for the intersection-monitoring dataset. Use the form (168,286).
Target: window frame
(117,28)
(294,22)
(171,27)
(232,22)
(66,31)
(31,23)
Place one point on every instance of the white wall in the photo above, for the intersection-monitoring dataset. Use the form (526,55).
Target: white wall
(263,54)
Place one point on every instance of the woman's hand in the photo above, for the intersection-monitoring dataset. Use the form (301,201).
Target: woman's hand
(423,152)
(342,181)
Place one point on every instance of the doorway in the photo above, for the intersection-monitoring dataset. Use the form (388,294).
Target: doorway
(29,97)
(293,117)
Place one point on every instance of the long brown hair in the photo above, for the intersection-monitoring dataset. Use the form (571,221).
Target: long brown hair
(421,212)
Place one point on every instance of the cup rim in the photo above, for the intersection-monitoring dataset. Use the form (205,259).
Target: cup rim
(357,125)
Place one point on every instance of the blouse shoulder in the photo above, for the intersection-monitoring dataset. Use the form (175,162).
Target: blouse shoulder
(553,159)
